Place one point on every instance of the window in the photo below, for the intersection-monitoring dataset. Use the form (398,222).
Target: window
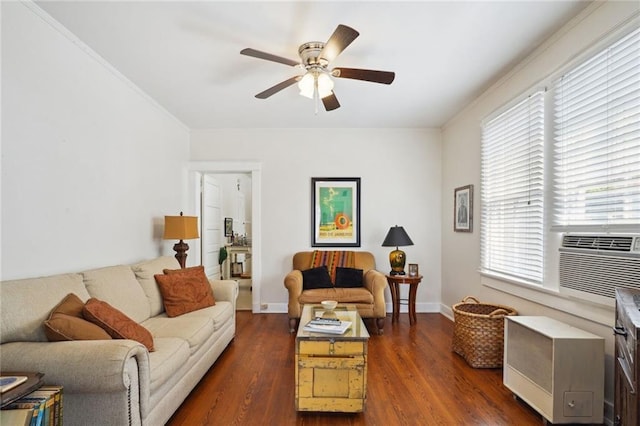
(511,236)
(597,141)
(591,129)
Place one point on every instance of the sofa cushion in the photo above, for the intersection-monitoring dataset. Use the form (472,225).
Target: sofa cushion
(40,295)
(348,277)
(116,323)
(145,272)
(195,330)
(118,286)
(343,295)
(221,313)
(170,356)
(67,323)
(185,290)
(316,278)
(332,259)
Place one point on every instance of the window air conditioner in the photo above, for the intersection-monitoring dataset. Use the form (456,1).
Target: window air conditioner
(593,265)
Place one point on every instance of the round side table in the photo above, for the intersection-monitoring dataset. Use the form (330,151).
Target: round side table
(394,284)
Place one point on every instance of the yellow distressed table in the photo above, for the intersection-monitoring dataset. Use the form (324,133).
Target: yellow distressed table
(331,370)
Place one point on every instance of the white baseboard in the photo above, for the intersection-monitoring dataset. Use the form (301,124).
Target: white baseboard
(446,311)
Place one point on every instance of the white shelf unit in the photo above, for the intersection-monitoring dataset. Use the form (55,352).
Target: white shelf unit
(555,368)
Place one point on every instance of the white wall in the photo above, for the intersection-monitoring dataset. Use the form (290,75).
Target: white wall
(400,172)
(461,166)
(89,164)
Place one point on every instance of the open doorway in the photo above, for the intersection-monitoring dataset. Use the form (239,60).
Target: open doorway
(234,243)
(226,197)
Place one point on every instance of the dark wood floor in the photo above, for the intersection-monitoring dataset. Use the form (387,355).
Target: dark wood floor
(413,379)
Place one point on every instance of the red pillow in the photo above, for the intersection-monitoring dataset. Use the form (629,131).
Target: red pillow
(116,323)
(185,290)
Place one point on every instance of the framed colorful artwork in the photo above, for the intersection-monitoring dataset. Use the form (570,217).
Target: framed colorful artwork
(463,209)
(335,212)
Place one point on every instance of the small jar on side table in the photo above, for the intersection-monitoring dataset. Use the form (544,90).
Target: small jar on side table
(394,284)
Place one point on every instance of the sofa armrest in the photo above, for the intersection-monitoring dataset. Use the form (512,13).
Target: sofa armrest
(82,366)
(376,282)
(225,290)
(293,283)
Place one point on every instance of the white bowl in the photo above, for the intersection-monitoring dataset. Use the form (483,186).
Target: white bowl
(329,305)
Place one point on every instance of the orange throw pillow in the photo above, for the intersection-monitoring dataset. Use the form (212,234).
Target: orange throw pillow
(116,323)
(185,290)
(67,323)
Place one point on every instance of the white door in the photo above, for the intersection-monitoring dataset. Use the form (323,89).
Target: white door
(212,225)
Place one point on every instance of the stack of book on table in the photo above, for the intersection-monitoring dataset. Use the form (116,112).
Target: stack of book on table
(327,325)
(27,401)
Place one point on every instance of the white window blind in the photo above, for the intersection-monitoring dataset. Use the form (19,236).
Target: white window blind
(512,191)
(597,142)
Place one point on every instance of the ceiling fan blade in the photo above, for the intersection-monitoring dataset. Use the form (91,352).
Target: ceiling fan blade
(278,87)
(339,40)
(385,77)
(330,102)
(269,57)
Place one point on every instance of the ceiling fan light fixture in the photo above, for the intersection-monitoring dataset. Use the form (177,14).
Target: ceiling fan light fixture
(307,85)
(325,85)
(315,80)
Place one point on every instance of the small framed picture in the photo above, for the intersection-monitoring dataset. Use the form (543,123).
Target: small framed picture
(463,209)
(228,226)
(413,270)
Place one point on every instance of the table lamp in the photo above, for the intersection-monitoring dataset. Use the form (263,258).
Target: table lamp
(397,237)
(181,228)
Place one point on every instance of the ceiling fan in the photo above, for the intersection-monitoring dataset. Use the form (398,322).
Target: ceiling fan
(315,57)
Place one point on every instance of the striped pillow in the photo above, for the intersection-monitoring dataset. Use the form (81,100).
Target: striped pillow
(333,259)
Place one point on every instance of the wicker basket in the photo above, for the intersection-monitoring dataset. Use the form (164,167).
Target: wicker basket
(478,332)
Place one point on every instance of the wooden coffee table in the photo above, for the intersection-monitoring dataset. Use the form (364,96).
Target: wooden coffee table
(331,370)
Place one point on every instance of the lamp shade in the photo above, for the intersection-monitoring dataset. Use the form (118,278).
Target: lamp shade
(325,85)
(180,227)
(307,85)
(397,237)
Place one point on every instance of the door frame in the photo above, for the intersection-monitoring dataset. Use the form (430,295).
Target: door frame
(197,168)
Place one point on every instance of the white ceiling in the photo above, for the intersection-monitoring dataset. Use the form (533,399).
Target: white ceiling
(186,55)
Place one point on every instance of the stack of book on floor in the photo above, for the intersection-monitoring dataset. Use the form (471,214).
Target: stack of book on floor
(26,401)
(327,325)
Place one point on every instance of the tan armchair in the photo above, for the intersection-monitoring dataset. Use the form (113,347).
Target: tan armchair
(368,299)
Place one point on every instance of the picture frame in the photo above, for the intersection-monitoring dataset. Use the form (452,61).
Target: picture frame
(413,270)
(335,212)
(463,209)
(228,227)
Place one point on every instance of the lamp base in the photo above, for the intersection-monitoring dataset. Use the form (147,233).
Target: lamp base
(397,259)
(181,252)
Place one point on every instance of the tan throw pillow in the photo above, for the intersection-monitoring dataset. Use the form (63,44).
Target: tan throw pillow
(114,322)
(185,290)
(67,323)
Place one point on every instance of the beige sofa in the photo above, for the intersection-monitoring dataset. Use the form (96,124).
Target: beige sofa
(368,299)
(116,382)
